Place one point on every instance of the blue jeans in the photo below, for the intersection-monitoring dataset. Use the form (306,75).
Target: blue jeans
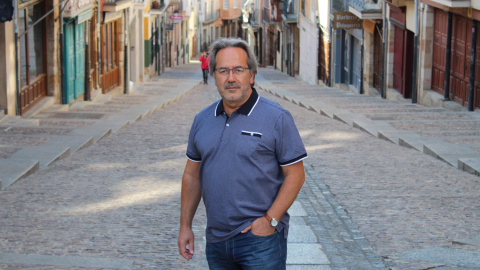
(248,251)
(205,75)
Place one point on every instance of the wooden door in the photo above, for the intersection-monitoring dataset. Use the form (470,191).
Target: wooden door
(69,63)
(398,59)
(439,50)
(79,60)
(460,71)
(460,58)
(356,70)
(407,64)
(322,68)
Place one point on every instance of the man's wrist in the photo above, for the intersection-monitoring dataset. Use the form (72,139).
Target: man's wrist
(272,221)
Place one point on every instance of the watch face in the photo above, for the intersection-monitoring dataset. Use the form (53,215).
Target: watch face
(274,222)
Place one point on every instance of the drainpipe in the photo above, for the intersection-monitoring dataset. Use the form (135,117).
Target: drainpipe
(329,80)
(282,56)
(384,52)
(125,61)
(17,75)
(471,83)
(446,82)
(361,61)
(62,71)
(415,56)
(99,45)
(86,96)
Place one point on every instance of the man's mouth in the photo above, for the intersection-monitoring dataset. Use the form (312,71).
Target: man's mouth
(231,86)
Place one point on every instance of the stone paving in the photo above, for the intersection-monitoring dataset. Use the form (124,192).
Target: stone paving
(119,199)
(367,203)
(400,199)
(377,117)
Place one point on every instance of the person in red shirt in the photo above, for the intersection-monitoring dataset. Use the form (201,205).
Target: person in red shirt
(204,60)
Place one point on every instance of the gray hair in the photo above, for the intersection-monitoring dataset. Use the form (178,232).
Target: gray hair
(224,43)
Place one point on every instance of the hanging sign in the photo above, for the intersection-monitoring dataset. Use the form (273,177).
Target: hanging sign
(346,20)
(176,18)
(369,25)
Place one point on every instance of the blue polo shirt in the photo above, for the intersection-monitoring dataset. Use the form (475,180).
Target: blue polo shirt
(241,158)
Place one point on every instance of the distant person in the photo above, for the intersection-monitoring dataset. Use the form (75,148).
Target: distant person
(245,159)
(204,60)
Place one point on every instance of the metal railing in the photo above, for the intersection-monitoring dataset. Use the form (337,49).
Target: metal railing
(290,7)
(212,15)
(357,4)
(266,14)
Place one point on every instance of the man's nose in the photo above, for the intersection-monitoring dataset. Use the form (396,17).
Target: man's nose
(231,77)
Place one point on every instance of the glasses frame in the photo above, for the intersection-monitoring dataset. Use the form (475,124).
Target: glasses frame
(228,70)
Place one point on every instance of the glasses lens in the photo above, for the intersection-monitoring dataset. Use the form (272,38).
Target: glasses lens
(222,71)
(226,71)
(238,71)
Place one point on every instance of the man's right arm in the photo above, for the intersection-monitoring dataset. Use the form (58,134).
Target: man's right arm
(191,195)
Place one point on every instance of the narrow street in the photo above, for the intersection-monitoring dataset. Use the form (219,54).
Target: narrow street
(367,203)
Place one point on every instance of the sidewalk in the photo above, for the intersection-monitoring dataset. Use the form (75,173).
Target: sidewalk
(451,136)
(29,144)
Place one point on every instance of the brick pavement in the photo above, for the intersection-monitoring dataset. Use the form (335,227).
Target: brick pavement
(119,199)
(365,198)
(399,198)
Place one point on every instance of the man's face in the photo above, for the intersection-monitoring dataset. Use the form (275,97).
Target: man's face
(234,89)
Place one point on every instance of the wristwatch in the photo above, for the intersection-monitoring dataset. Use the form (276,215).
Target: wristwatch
(273,222)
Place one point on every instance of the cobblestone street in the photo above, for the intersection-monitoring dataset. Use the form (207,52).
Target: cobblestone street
(115,204)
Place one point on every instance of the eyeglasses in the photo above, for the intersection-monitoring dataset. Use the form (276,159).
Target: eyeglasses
(226,71)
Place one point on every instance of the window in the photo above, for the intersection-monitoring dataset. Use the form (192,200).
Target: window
(32,44)
(211,10)
(225,4)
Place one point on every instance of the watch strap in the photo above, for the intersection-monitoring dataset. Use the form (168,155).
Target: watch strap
(270,219)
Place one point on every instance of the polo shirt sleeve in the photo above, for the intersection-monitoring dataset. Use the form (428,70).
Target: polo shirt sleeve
(192,151)
(289,146)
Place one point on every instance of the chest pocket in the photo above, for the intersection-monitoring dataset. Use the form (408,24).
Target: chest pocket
(252,145)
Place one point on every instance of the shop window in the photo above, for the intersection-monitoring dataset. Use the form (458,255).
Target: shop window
(32,44)
(33,78)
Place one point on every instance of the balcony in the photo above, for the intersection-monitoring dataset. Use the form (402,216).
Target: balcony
(230,14)
(158,7)
(116,5)
(174,2)
(75,7)
(365,9)
(211,16)
(455,3)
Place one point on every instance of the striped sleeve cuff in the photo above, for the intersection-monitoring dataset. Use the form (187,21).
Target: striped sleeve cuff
(295,160)
(193,159)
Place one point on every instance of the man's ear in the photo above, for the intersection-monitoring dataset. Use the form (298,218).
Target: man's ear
(252,78)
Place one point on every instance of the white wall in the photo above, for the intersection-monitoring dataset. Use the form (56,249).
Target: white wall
(308,50)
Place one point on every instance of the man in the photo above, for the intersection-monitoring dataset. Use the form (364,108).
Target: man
(245,159)
(204,65)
